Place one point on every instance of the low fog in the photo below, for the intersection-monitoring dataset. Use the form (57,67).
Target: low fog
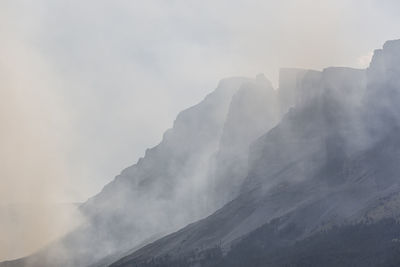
(87,87)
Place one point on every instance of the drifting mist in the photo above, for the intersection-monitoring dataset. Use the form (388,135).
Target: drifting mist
(86,88)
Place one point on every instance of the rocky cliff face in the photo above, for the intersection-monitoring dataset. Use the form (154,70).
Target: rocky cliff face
(332,160)
(253,111)
(318,130)
(290,85)
(198,166)
(165,190)
(383,95)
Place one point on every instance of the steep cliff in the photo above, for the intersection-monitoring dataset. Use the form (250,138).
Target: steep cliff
(332,160)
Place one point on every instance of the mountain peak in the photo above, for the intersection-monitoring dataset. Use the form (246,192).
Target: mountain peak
(392,45)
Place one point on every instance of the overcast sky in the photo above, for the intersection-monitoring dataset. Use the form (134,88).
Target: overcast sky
(87,86)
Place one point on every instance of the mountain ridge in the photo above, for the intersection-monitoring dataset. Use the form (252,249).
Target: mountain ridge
(319,152)
(333,174)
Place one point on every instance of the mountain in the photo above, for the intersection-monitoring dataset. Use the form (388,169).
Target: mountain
(329,167)
(177,182)
(253,111)
(305,175)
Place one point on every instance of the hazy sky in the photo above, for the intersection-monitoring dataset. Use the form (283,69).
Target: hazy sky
(86,86)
